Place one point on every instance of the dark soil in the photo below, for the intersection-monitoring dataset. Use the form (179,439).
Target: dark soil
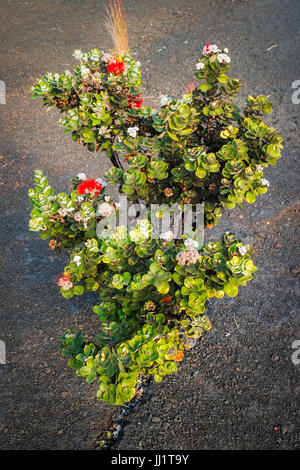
(238,388)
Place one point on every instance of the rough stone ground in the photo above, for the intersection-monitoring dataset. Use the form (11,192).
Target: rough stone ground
(238,389)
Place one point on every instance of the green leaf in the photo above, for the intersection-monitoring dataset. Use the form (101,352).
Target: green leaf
(78,290)
(173,136)
(250,197)
(205,87)
(230,290)
(88,135)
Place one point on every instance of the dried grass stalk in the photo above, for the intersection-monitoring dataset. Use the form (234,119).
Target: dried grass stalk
(117,28)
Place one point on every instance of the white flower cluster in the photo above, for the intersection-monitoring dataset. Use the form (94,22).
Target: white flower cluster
(82,56)
(167,236)
(45,88)
(81,176)
(78,216)
(78,54)
(105,209)
(77,260)
(163,99)
(64,211)
(222,55)
(200,66)
(132,131)
(223,58)
(259,168)
(265,182)
(209,48)
(191,244)
(242,250)
(188,257)
(85,71)
(103,131)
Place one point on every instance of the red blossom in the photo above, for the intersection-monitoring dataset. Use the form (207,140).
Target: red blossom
(63,278)
(116,67)
(135,101)
(166,299)
(207,46)
(89,186)
(64,281)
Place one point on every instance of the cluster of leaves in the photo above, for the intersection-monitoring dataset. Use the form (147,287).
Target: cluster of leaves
(202,148)
(67,219)
(151,304)
(151,307)
(97,104)
(199,149)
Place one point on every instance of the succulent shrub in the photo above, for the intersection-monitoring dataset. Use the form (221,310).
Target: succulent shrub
(198,149)
(201,148)
(152,292)
(98,101)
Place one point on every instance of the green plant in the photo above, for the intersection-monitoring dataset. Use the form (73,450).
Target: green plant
(199,149)
(98,101)
(152,292)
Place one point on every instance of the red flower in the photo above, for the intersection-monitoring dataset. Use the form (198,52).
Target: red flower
(89,186)
(116,67)
(207,46)
(166,299)
(64,281)
(135,102)
(63,278)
